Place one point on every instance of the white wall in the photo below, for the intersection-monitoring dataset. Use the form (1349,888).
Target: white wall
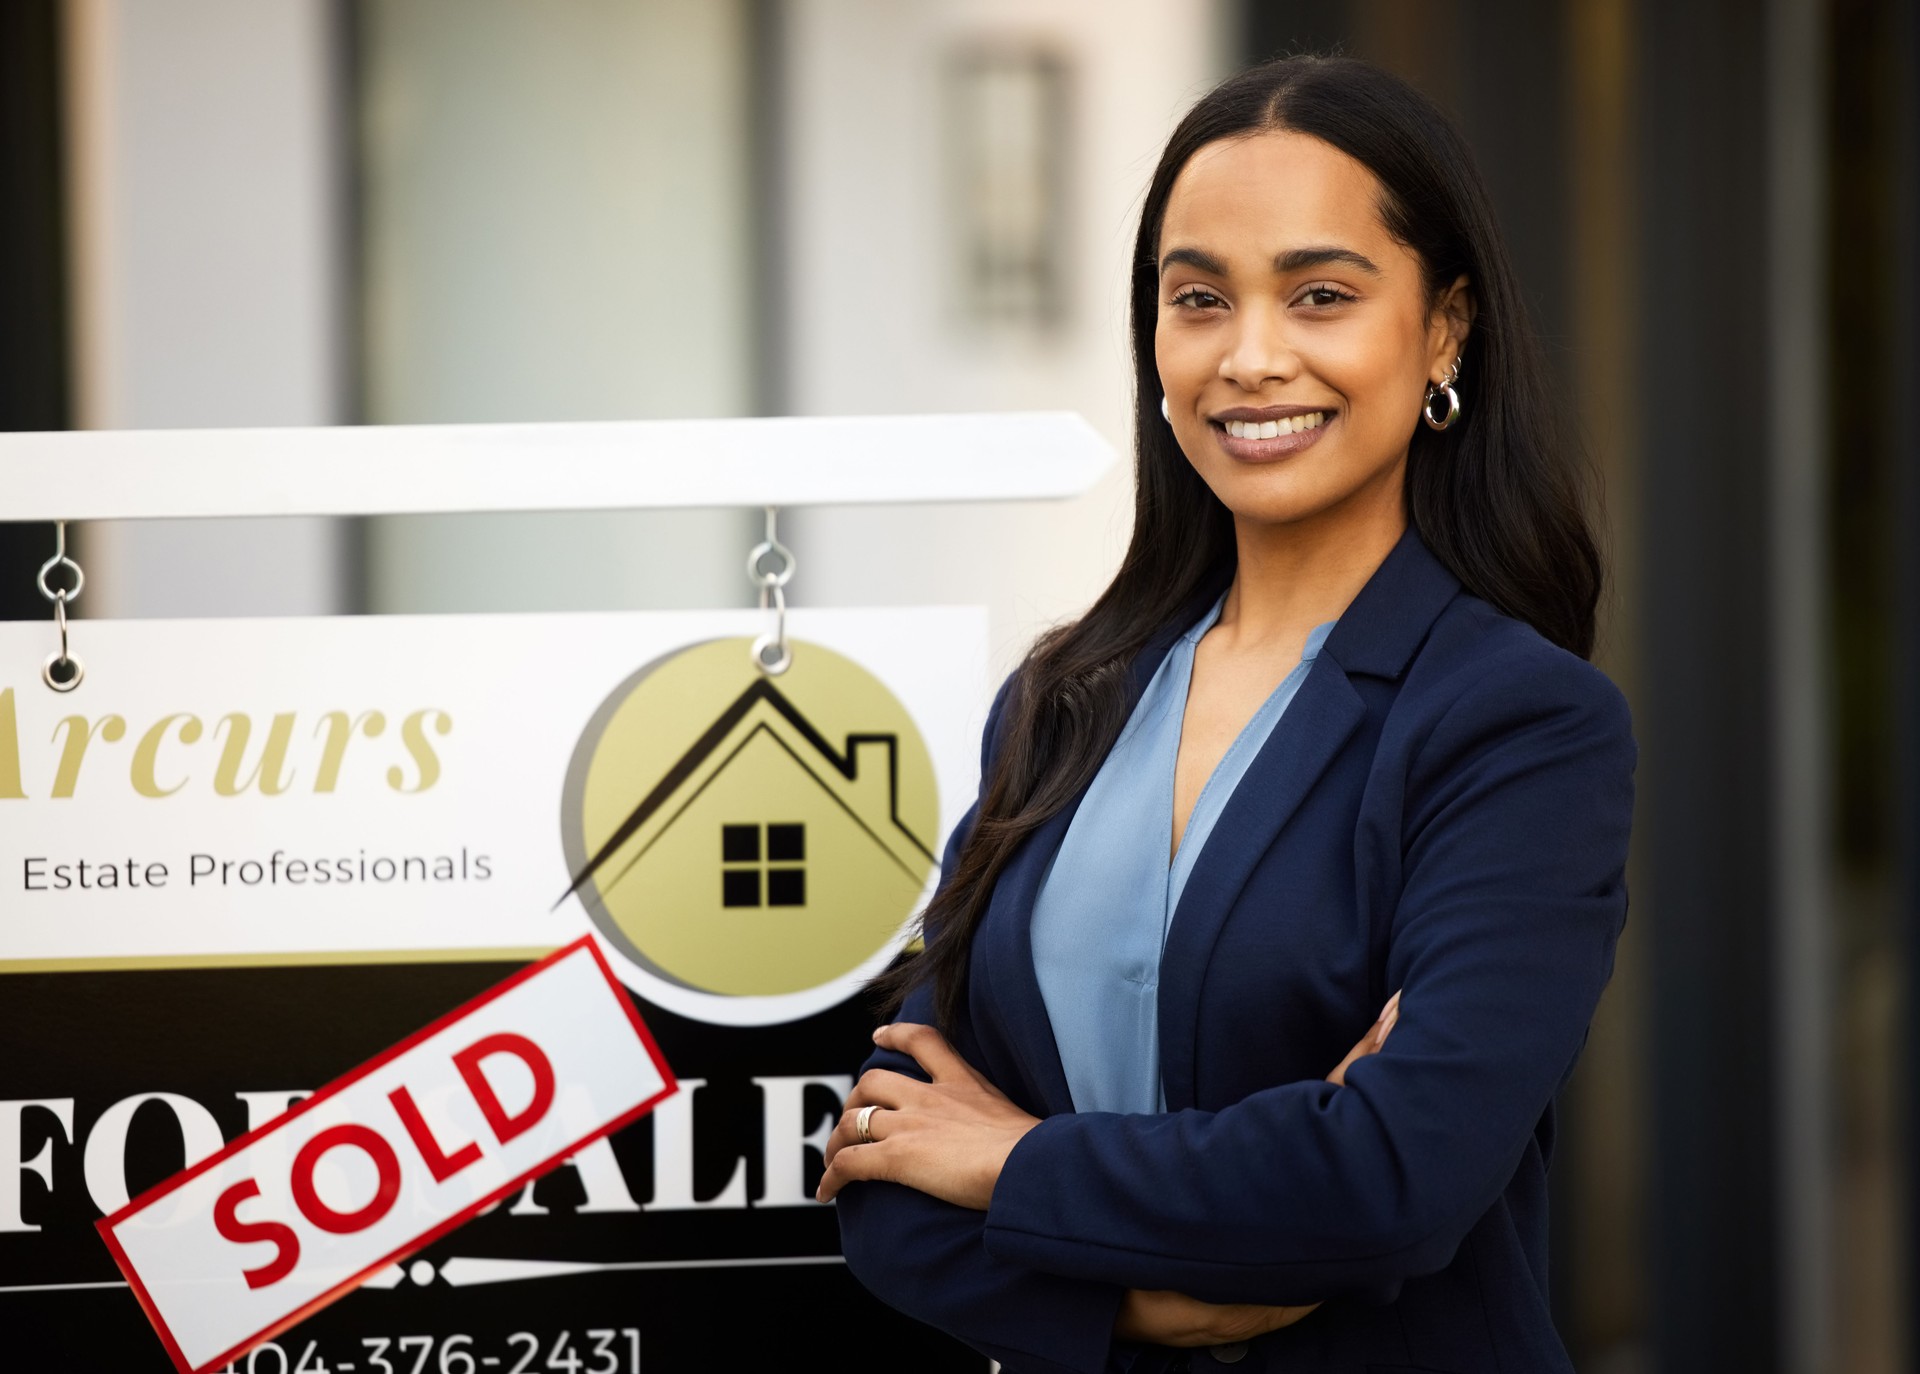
(554,222)
(556,227)
(871,329)
(206,274)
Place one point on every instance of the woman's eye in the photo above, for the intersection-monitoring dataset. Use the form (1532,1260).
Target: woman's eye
(1332,295)
(1198,297)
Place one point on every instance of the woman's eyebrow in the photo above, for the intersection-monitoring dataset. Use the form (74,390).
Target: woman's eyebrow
(1294,259)
(1195,258)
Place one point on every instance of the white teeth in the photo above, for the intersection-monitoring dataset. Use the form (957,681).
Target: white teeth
(1273,429)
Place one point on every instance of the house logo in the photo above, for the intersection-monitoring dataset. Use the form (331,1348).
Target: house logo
(753,846)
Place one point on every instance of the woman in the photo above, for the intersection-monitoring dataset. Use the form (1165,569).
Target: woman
(1331,732)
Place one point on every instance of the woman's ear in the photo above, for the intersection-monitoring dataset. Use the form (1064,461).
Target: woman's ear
(1452,318)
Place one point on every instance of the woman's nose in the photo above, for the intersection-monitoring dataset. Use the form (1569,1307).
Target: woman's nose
(1258,350)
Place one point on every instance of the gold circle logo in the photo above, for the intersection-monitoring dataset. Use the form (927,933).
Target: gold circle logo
(746,836)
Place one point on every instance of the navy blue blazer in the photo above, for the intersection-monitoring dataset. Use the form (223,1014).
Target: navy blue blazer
(1444,809)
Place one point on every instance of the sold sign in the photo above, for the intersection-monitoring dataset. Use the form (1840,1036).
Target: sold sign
(388,1158)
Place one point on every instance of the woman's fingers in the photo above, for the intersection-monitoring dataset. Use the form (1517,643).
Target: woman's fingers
(1166,1318)
(848,1166)
(848,1157)
(883,1088)
(926,1047)
(886,1091)
(846,1131)
(948,1137)
(1339,1074)
(1389,1014)
(1371,1042)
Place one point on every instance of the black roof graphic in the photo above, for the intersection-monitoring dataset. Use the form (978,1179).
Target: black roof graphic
(712,738)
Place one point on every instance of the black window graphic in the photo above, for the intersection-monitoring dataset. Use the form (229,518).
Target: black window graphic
(763,857)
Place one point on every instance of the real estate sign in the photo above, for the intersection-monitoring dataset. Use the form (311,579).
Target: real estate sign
(247,855)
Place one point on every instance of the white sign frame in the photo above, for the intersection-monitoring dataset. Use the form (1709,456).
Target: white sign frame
(616,465)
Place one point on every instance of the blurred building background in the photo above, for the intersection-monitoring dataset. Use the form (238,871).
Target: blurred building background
(294,212)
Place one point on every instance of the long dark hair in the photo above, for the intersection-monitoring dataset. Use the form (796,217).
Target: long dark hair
(1500,496)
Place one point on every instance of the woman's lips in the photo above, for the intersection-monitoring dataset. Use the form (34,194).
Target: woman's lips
(1270,450)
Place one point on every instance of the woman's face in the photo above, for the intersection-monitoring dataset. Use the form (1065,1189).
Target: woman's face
(1284,302)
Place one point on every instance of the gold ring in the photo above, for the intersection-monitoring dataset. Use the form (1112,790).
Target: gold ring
(860,1125)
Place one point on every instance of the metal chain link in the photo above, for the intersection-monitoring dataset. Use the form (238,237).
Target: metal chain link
(60,597)
(772,585)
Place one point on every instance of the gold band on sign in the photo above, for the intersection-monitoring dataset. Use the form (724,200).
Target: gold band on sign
(116,963)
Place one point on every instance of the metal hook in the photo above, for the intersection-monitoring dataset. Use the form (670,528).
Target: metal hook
(772,589)
(60,559)
(60,597)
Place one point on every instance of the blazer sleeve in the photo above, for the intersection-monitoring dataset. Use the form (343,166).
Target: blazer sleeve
(928,1258)
(1516,816)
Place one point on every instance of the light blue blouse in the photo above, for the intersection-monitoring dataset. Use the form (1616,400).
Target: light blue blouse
(1101,917)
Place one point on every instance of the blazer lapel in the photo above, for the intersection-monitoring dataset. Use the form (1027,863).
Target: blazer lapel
(1324,712)
(1377,634)
(1014,987)
(1007,932)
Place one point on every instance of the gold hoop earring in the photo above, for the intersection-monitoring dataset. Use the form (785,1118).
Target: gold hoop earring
(1434,392)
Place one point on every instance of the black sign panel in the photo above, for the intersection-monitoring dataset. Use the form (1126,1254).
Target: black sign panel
(688,1241)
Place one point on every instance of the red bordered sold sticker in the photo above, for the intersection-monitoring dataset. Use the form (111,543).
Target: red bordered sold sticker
(388,1158)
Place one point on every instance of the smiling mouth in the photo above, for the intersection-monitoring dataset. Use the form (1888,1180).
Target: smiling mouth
(1271,441)
(1273,429)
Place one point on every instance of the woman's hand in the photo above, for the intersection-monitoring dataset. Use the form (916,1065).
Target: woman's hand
(1162,1318)
(948,1138)
(1371,1042)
